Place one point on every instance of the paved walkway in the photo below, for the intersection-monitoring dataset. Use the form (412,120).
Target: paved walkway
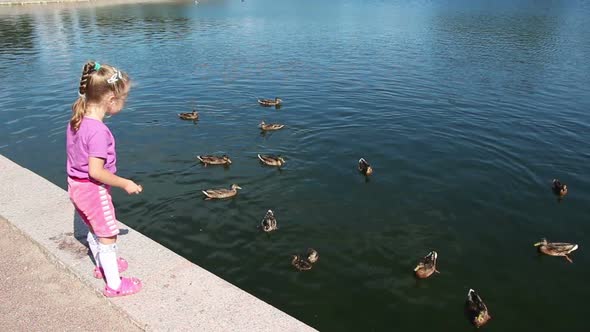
(37,295)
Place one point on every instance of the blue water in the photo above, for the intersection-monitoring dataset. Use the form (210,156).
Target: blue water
(466,109)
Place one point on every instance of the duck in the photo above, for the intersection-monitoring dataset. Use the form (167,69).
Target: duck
(427,266)
(556,248)
(312,255)
(269,223)
(194,115)
(476,309)
(270,102)
(559,188)
(300,264)
(214,160)
(272,160)
(364,167)
(222,193)
(270,126)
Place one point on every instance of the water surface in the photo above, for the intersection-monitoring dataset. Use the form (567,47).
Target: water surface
(466,109)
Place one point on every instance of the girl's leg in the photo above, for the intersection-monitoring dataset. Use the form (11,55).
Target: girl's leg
(108,260)
(93,244)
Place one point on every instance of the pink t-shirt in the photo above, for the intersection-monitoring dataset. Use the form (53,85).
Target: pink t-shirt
(93,139)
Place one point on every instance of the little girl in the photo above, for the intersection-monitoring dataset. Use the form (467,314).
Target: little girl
(91,168)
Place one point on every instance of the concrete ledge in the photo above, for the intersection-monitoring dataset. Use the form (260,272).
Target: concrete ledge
(177,294)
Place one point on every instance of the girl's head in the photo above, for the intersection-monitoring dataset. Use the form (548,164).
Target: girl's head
(101,86)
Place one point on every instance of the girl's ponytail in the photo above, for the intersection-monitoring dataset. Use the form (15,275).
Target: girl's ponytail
(78,111)
(79,107)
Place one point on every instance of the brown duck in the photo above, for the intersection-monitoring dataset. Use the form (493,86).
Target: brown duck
(270,102)
(194,115)
(214,160)
(222,193)
(556,248)
(427,266)
(364,167)
(270,126)
(477,311)
(272,160)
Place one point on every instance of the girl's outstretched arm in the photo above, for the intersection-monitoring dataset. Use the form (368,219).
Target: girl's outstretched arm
(97,171)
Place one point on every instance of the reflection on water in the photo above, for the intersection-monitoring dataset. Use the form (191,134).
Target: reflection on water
(466,111)
(15,34)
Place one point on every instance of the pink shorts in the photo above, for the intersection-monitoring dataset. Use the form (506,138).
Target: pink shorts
(94,204)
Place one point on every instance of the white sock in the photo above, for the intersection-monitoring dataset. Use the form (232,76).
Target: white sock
(93,244)
(108,260)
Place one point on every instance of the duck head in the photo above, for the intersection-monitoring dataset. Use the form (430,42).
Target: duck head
(432,256)
(312,255)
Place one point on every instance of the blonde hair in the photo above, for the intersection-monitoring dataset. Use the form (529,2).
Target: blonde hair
(97,80)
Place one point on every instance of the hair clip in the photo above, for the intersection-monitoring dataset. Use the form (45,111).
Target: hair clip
(116,76)
(96,66)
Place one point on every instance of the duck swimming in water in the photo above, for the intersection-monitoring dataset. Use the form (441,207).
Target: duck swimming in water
(364,167)
(269,223)
(214,160)
(304,264)
(559,188)
(194,115)
(270,102)
(427,266)
(270,126)
(222,193)
(556,248)
(300,264)
(476,309)
(272,160)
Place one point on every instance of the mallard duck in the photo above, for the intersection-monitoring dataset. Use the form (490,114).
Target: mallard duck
(272,160)
(427,266)
(270,126)
(300,264)
(214,160)
(269,223)
(222,193)
(559,188)
(364,167)
(476,309)
(194,115)
(556,248)
(270,102)
(312,255)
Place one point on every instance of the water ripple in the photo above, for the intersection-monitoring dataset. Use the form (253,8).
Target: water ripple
(466,110)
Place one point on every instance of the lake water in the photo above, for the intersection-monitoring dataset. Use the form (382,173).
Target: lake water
(466,109)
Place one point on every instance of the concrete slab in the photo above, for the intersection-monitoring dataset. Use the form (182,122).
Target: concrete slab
(39,296)
(177,294)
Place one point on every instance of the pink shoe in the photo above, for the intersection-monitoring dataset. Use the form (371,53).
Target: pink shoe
(121,263)
(128,286)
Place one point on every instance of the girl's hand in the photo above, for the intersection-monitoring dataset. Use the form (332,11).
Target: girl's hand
(133,188)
